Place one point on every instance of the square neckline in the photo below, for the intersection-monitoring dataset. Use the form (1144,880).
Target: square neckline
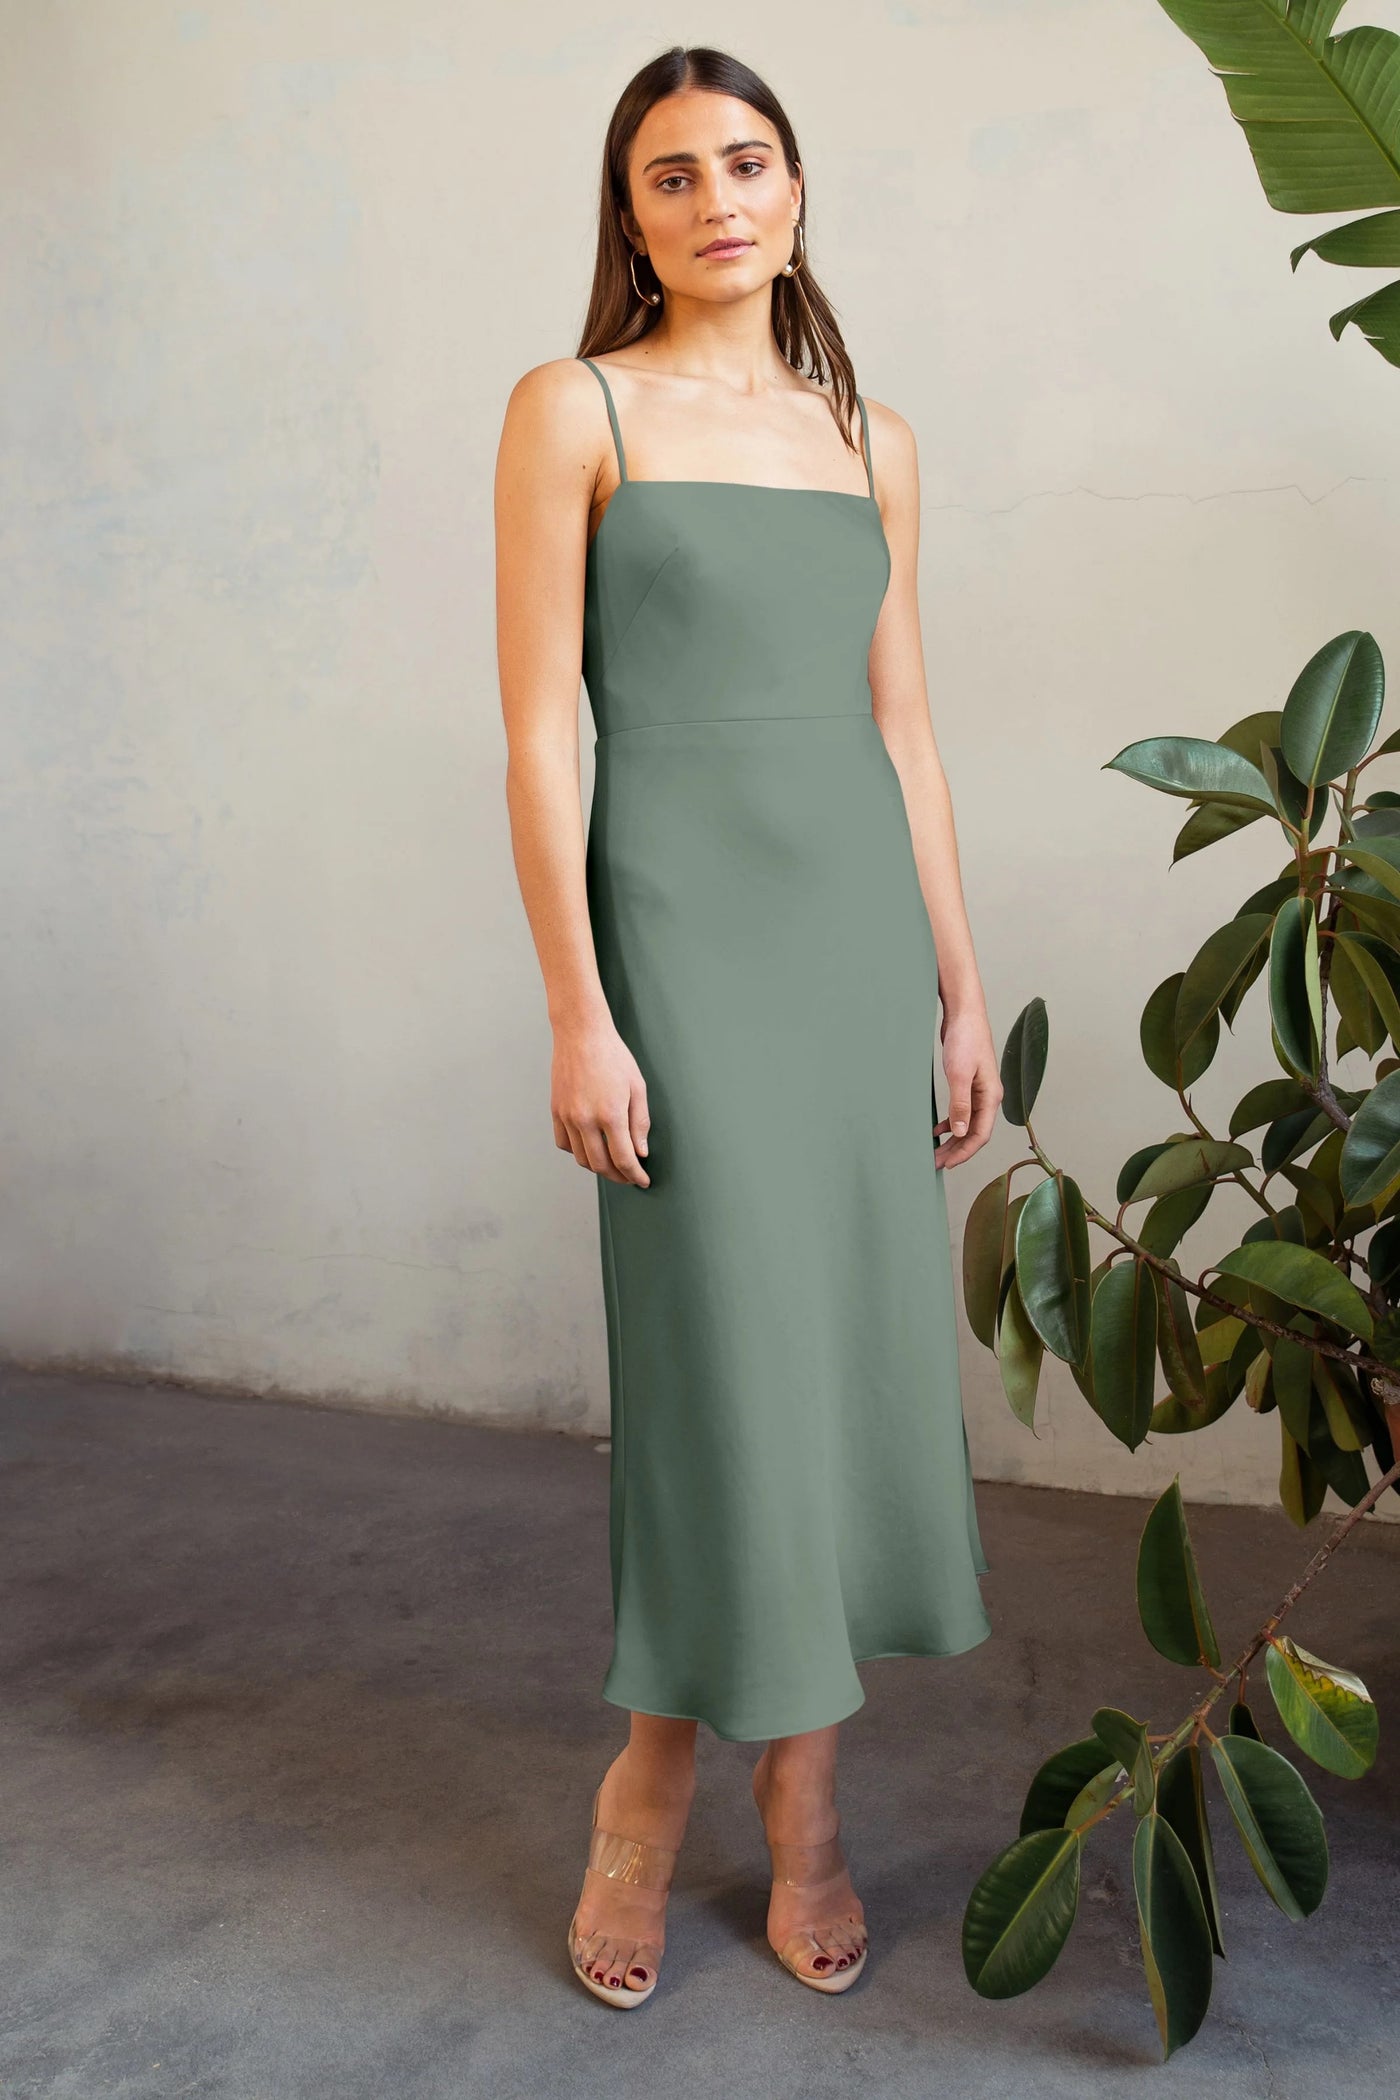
(764,488)
(768,488)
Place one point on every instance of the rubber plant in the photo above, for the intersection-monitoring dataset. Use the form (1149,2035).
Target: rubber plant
(1321,115)
(1299,1320)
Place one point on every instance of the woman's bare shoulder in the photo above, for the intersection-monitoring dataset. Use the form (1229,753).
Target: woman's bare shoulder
(893,450)
(556,383)
(886,423)
(557,403)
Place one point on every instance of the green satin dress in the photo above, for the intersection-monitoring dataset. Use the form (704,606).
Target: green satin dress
(791,1491)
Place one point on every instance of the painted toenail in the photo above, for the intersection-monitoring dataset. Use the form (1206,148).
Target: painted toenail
(639,1972)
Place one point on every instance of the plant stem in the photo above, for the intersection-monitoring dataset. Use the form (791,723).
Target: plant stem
(1357,1361)
(1196,1718)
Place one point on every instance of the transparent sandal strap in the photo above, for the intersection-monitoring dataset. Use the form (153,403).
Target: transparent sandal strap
(801,1865)
(631,1859)
(805,1943)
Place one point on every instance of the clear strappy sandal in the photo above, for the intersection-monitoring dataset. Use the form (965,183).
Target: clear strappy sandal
(645,1866)
(842,1939)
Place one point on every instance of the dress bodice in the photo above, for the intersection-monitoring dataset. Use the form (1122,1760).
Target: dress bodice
(724,601)
(713,600)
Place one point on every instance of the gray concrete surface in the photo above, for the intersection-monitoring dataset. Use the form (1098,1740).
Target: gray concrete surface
(300,1724)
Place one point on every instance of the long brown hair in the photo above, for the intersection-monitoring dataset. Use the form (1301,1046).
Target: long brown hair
(804,322)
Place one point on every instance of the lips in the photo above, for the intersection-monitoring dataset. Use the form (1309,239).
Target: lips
(726,247)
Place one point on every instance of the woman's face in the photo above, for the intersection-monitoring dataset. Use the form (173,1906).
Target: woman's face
(713,204)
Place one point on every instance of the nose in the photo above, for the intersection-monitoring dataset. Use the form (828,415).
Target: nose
(714,198)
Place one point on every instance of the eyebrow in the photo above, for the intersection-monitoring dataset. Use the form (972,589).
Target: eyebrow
(734,146)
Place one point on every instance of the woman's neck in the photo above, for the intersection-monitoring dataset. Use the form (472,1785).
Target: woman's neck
(733,344)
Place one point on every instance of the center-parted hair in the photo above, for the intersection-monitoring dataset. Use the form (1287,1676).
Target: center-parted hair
(804,322)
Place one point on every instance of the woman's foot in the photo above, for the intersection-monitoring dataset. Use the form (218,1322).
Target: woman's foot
(816,1923)
(619,1927)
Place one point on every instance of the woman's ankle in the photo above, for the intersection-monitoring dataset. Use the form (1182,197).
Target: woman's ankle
(653,1788)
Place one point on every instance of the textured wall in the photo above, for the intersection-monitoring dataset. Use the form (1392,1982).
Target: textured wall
(275,1082)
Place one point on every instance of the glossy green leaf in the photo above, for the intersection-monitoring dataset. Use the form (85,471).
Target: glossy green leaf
(1344,1471)
(1360,1022)
(1193,767)
(1279,1823)
(1288,1139)
(1331,715)
(1318,112)
(1181,1799)
(1347,1421)
(1019,1355)
(1218,1334)
(1219,965)
(1207,826)
(988,1241)
(1171,1217)
(1052,1266)
(1328,1712)
(1157,1036)
(1171,1418)
(1302,1487)
(1175,1934)
(1377,857)
(1267,1102)
(1135,1166)
(1178,1344)
(1171,1603)
(1315,110)
(1375,314)
(1023,1061)
(1123,1346)
(1059,1781)
(1242,1721)
(1381,915)
(1383,1257)
(1095,1795)
(1295,987)
(1019,1914)
(1317,1206)
(1264,725)
(1379,970)
(1259,1384)
(1293,1386)
(1370,244)
(1301,1276)
(1370,1163)
(1126,1739)
(1186,1161)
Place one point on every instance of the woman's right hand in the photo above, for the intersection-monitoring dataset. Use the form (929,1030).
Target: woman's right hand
(598,1099)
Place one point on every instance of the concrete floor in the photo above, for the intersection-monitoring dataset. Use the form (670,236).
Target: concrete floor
(300,1722)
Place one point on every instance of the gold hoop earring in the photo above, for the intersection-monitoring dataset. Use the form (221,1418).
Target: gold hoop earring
(795,262)
(649,298)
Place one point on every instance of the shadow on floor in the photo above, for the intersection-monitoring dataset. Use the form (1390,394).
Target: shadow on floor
(301,1722)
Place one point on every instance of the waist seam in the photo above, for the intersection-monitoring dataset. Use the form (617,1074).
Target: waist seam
(842,714)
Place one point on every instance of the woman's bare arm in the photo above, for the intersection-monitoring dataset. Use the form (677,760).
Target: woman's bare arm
(547,471)
(900,697)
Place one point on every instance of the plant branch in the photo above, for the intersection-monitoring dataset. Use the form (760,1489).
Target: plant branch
(1318,1343)
(1196,1718)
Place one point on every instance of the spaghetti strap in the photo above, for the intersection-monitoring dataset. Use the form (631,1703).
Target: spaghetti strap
(865,431)
(612,415)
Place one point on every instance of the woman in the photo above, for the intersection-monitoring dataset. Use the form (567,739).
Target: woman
(743,965)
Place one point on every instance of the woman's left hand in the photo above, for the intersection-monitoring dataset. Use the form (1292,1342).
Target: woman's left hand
(974,1085)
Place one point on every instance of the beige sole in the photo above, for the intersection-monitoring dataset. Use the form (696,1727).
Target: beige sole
(840,1981)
